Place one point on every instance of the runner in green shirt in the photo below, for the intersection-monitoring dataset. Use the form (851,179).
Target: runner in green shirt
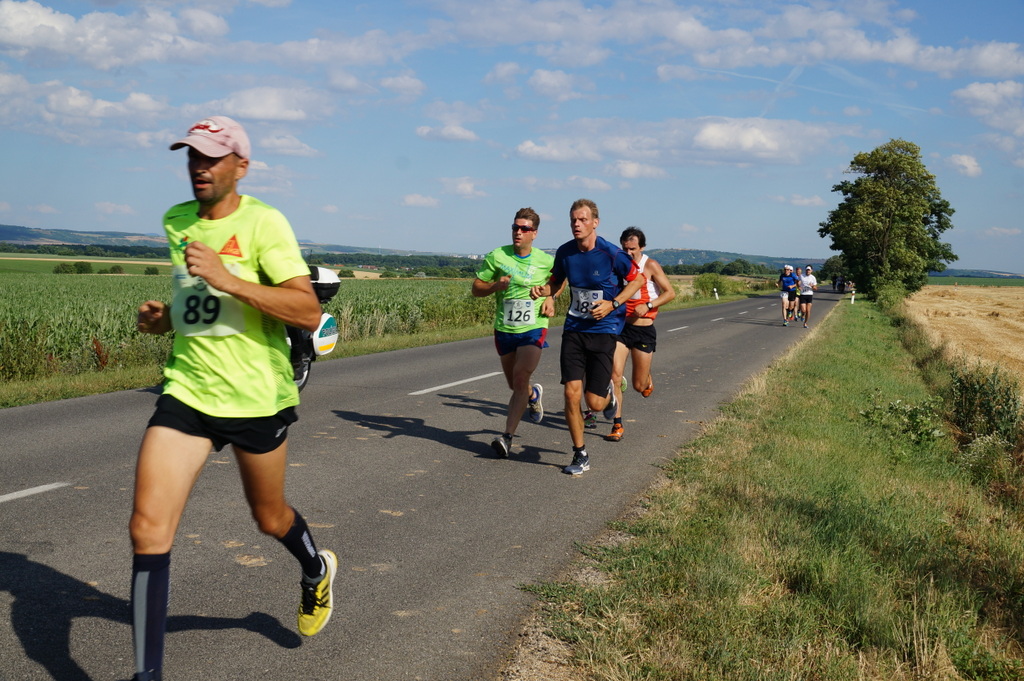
(520,323)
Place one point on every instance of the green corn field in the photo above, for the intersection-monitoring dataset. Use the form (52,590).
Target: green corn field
(72,324)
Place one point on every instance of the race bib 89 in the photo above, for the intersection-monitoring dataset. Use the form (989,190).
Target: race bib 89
(198,309)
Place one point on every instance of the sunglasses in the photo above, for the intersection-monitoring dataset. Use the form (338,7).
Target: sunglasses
(520,228)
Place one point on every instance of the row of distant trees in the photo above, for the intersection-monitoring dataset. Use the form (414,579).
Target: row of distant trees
(90,251)
(84,267)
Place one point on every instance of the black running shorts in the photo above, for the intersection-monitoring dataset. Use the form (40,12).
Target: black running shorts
(257,435)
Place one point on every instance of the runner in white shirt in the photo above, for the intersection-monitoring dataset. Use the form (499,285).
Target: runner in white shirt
(808,285)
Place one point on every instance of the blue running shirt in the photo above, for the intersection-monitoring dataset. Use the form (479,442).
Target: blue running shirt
(597,274)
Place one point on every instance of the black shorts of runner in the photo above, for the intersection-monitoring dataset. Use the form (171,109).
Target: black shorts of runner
(257,435)
(588,356)
(792,294)
(642,338)
(806,300)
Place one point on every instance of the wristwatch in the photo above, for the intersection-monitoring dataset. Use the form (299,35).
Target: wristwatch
(615,304)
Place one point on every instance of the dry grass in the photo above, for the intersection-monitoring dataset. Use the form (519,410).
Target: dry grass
(973,322)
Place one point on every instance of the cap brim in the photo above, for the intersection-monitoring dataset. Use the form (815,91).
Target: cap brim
(204,145)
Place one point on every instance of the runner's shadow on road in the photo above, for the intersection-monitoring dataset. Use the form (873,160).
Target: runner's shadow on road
(494,410)
(45,603)
(406,426)
(476,442)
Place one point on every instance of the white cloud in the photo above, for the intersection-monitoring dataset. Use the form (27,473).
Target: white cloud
(343,81)
(634,170)
(558,150)
(667,72)
(202,23)
(286,145)
(856,111)
(685,141)
(450,133)
(419,201)
(4,206)
(998,105)
(798,200)
(330,208)
(406,85)
(462,186)
(557,85)
(270,103)
(103,40)
(999,232)
(43,208)
(108,208)
(503,73)
(965,165)
(588,183)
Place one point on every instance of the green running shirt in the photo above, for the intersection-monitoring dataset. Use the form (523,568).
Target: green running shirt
(515,312)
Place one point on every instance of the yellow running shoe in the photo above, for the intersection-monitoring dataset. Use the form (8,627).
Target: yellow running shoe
(318,599)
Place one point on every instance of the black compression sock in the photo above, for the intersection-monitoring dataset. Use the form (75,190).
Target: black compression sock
(151,582)
(299,543)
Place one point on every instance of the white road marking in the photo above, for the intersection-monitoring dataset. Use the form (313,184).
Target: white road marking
(718,320)
(449,385)
(34,490)
(744,312)
(679,328)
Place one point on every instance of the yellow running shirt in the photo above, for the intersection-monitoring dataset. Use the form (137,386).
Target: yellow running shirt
(229,359)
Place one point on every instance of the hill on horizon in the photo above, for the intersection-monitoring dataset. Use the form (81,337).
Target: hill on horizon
(31,236)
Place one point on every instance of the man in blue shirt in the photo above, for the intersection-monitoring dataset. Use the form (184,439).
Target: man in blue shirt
(601,278)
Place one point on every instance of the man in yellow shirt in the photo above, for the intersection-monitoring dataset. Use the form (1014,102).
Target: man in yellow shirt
(238,277)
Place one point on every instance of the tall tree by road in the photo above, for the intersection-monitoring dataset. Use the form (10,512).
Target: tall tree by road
(889,222)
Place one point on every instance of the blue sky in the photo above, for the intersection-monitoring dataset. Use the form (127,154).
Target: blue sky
(426,124)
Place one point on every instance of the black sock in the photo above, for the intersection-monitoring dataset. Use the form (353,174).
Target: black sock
(299,543)
(618,420)
(151,585)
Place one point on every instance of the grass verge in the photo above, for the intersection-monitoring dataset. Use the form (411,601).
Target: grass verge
(810,533)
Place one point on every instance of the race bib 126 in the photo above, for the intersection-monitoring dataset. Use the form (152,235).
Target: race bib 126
(518,312)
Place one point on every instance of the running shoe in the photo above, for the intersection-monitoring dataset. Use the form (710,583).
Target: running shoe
(535,408)
(589,419)
(646,392)
(616,434)
(318,599)
(613,405)
(580,464)
(785,323)
(502,446)
(805,325)
(623,385)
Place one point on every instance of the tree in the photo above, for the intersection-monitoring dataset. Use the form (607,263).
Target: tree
(889,222)
(832,268)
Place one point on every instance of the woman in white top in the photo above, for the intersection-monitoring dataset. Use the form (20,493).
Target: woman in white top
(808,285)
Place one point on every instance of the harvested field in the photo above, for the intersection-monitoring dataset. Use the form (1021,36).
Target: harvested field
(976,322)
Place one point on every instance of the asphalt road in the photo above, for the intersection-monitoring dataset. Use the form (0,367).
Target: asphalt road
(391,465)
